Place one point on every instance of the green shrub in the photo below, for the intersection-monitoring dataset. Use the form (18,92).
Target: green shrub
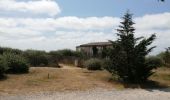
(154,61)
(36,58)
(66,52)
(106,64)
(52,61)
(93,64)
(65,56)
(6,49)
(165,56)
(16,63)
(55,55)
(3,67)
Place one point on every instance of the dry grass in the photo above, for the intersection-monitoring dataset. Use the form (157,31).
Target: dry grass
(59,80)
(67,78)
(162,75)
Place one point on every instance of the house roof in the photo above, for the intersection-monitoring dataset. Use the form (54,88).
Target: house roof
(96,44)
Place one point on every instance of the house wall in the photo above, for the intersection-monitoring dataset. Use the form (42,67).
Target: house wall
(88,50)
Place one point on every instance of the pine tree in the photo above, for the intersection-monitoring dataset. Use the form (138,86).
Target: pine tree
(128,53)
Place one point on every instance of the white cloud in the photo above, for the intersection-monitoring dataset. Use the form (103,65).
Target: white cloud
(51,24)
(154,21)
(69,31)
(60,40)
(87,23)
(18,33)
(48,7)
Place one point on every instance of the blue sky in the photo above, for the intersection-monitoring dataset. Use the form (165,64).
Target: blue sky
(86,8)
(59,24)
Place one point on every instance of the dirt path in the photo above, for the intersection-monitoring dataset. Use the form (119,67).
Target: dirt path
(97,94)
(69,67)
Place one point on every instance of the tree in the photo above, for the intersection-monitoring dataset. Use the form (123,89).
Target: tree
(128,53)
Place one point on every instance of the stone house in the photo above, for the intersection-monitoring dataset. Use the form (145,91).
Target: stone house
(94,48)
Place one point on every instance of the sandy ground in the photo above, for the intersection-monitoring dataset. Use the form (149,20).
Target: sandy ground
(62,79)
(70,83)
(97,94)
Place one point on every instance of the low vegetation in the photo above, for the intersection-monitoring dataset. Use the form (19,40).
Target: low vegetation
(165,57)
(66,56)
(93,64)
(154,61)
(36,58)
(17,61)
(3,67)
(16,64)
(12,63)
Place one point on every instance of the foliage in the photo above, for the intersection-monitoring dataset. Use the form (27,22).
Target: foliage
(36,58)
(55,55)
(5,49)
(66,56)
(165,56)
(3,67)
(16,63)
(52,60)
(107,63)
(93,64)
(128,53)
(68,52)
(154,61)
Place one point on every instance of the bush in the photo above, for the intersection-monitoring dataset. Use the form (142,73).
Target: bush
(106,64)
(15,63)
(65,56)
(3,67)
(165,56)
(154,61)
(93,64)
(6,49)
(55,55)
(67,52)
(36,58)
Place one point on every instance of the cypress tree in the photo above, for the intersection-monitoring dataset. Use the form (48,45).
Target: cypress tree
(128,53)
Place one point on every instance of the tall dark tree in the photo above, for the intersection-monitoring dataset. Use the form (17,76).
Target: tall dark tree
(128,53)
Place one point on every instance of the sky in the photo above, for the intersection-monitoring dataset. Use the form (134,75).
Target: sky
(59,24)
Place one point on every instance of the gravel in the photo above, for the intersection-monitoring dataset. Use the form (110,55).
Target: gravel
(96,94)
